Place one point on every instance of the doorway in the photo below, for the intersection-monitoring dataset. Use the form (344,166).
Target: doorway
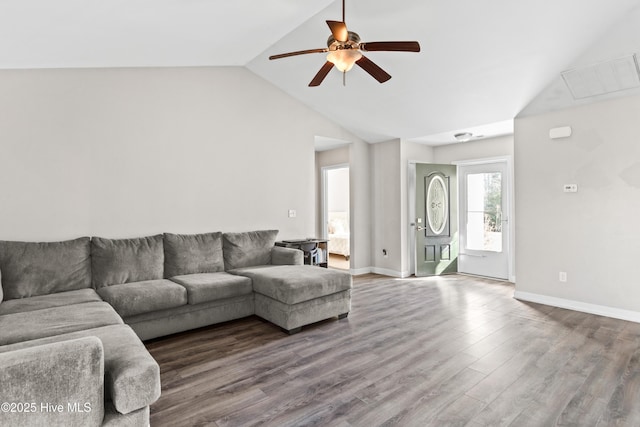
(436,225)
(482,242)
(485,206)
(336,215)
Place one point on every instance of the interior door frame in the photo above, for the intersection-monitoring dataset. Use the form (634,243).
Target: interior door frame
(510,196)
(411,218)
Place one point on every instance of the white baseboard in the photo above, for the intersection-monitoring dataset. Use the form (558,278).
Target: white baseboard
(601,310)
(360,271)
(387,272)
(382,271)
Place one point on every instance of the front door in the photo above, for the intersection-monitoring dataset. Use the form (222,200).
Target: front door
(436,220)
(484,228)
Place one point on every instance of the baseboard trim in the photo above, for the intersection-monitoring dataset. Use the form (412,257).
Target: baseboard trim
(377,270)
(387,272)
(360,271)
(600,310)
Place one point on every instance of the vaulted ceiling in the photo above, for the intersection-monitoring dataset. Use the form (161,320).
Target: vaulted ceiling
(482,63)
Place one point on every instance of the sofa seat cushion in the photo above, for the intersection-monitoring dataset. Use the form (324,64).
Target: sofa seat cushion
(292,284)
(132,376)
(31,325)
(40,268)
(206,287)
(21,305)
(192,253)
(130,299)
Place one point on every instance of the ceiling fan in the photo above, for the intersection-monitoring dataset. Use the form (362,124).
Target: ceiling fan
(345,49)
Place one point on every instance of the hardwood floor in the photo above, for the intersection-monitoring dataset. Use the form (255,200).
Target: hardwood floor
(447,351)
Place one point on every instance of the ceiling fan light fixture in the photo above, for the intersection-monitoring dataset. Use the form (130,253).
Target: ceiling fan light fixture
(344,59)
(463,136)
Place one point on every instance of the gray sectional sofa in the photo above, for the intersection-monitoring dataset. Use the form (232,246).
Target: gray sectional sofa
(73,315)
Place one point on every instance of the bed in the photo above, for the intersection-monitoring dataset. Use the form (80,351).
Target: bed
(338,233)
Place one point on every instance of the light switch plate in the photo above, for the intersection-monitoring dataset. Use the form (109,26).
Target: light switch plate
(292,213)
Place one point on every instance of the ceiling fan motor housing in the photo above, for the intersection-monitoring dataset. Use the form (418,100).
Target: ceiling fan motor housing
(352,43)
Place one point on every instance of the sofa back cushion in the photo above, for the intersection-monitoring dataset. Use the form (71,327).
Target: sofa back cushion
(192,253)
(248,249)
(41,268)
(118,261)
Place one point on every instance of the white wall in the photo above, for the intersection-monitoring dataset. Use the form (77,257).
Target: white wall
(594,234)
(360,193)
(130,152)
(386,207)
(338,190)
(480,149)
(390,204)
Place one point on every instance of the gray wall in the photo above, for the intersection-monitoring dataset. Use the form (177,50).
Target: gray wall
(338,190)
(386,207)
(594,234)
(129,152)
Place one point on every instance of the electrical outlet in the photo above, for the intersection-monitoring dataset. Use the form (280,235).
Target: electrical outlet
(562,276)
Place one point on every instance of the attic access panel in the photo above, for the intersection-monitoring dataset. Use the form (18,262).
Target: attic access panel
(604,77)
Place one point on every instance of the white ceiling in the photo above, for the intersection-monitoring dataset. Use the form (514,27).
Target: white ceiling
(482,61)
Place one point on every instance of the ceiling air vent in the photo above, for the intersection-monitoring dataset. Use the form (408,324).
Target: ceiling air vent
(604,77)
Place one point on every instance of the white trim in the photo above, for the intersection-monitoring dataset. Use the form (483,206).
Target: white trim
(381,271)
(508,159)
(388,272)
(600,310)
(360,271)
(411,212)
(482,161)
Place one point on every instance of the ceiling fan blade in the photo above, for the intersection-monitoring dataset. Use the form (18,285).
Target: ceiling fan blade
(376,72)
(298,52)
(339,30)
(390,46)
(321,74)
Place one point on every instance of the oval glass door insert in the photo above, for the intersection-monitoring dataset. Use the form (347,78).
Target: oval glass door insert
(437,206)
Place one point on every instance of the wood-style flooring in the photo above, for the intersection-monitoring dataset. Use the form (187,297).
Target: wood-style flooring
(339,262)
(446,351)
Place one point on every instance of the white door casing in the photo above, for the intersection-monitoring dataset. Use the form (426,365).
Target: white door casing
(484,221)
